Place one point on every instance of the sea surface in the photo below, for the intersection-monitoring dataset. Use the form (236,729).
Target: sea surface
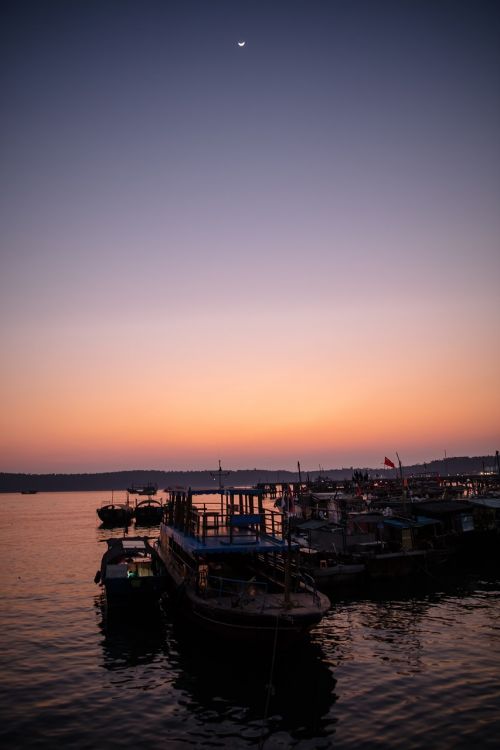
(385,669)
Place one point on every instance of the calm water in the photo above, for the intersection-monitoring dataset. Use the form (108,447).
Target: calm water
(414,671)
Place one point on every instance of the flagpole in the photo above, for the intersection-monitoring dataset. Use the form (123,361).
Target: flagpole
(402,483)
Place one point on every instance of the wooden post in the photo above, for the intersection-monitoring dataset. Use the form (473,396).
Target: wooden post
(260,505)
(288,566)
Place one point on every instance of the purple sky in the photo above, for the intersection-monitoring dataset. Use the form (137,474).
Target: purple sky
(327,194)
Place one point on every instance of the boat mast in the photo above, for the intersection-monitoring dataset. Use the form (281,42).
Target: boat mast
(403,488)
(219,473)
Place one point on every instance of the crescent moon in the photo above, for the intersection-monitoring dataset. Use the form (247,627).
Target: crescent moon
(241,44)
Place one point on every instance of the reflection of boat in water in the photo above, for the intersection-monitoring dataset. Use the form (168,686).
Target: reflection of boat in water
(132,641)
(229,568)
(146,489)
(131,572)
(148,512)
(298,685)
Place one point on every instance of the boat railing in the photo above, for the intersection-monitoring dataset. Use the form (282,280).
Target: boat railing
(299,579)
(310,586)
(240,590)
(239,586)
(231,522)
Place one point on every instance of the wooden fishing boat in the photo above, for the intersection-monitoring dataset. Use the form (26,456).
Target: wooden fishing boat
(148,512)
(147,489)
(115,514)
(131,572)
(230,568)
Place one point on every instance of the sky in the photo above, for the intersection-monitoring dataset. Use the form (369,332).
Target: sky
(286,251)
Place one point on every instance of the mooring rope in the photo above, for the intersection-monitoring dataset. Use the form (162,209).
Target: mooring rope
(270,686)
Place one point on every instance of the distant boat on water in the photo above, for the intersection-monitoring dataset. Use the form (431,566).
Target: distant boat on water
(147,489)
(29,492)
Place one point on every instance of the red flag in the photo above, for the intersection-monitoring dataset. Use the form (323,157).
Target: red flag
(388,462)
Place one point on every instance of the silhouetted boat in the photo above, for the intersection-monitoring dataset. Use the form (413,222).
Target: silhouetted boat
(115,514)
(148,512)
(352,555)
(329,572)
(147,489)
(131,572)
(29,492)
(229,569)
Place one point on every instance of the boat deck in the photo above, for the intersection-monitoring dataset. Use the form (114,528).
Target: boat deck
(227,539)
(270,603)
(235,522)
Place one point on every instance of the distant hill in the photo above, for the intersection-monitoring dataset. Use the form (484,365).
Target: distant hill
(120,480)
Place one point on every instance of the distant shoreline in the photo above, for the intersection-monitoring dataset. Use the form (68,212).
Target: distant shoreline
(120,480)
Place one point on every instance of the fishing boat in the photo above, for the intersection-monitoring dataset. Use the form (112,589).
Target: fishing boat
(329,572)
(231,568)
(148,512)
(131,571)
(115,514)
(147,489)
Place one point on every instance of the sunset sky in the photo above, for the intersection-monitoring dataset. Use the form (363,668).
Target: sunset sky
(278,252)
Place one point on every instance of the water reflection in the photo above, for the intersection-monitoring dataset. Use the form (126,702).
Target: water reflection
(129,638)
(232,682)
(218,692)
(394,629)
(234,691)
(152,528)
(389,629)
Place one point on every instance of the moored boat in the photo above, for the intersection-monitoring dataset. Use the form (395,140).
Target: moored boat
(370,548)
(131,571)
(329,572)
(230,568)
(115,514)
(148,512)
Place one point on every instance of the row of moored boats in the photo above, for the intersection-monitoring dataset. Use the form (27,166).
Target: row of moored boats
(225,562)
(237,564)
(145,512)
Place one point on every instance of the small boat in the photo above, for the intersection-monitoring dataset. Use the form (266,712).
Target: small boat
(115,514)
(147,489)
(131,572)
(329,572)
(231,569)
(29,492)
(148,512)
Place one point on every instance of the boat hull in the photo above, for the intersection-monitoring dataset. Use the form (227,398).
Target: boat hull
(341,575)
(134,591)
(113,515)
(131,572)
(148,515)
(259,619)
